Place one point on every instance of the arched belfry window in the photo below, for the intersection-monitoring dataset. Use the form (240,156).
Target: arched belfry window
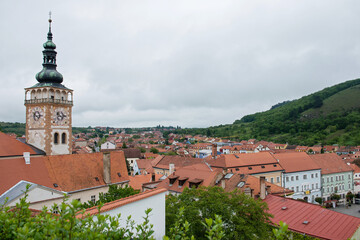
(56,138)
(63,138)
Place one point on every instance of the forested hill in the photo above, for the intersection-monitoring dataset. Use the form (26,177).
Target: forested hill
(330,116)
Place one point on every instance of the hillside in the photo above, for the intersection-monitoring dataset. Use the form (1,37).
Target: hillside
(329,116)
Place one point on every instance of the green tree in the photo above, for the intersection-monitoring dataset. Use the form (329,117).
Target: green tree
(244,217)
(18,223)
(154,150)
(124,145)
(115,192)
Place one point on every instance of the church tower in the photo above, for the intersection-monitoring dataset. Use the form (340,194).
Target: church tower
(48,107)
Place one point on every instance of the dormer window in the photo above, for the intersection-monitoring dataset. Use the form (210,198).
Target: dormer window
(195,183)
(182,181)
(172,179)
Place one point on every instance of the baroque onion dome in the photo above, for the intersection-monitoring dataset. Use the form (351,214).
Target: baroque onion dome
(49,74)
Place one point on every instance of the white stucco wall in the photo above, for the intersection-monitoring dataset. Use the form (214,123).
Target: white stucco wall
(37,138)
(137,212)
(60,148)
(312,183)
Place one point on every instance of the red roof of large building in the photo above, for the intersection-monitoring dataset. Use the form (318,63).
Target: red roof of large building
(241,160)
(70,172)
(311,219)
(9,146)
(330,163)
(296,162)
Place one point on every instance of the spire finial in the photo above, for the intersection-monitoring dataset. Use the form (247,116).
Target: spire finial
(50,21)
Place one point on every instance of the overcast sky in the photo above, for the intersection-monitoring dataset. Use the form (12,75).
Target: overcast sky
(188,63)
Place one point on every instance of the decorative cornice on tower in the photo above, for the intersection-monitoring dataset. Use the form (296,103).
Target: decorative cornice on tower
(49,74)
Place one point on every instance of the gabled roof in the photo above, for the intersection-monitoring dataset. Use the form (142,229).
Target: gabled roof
(121,202)
(241,160)
(178,161)
(330,163)
(11,147)
(296,162)
(79,171)
(137,181)
(202,175)
(321,223)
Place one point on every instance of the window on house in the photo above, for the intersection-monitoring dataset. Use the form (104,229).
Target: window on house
(332,179)
(336,178)
(63,138)
(327,179)
(322,180)
(56,138)
(277,179)
(305,176)
(93,199)
(312,175)
(312,186)
(316,175)
(287,179)
(297,178)
(317,186)
(272,180)
(292,178)
(342,177)
(332,189)
(297,188)
(349,176)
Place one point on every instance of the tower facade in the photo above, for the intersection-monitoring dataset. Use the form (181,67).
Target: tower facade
(49,107)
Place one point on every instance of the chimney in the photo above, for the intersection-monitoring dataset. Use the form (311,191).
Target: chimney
(153,177)
(107,167)
(27,157)
(214,150)
(262,187)
(223,183)
(171,168)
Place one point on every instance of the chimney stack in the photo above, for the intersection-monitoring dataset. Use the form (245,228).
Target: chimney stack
(214,150)
(27,157)
(262,187)
(171,168)
(107,167)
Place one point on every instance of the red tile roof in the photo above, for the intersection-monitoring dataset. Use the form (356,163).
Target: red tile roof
(137,181)
(70,172)
(322,223)
(238,160)
(296,162)
(330,163)
(121,202)
(9,146)
(13,170)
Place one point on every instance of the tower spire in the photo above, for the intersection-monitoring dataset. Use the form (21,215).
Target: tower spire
(49,74)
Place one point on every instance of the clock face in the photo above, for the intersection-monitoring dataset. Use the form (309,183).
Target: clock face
(37,115)
(60,116)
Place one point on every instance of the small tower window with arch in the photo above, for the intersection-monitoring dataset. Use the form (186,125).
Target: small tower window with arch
(63,138)
(56,138)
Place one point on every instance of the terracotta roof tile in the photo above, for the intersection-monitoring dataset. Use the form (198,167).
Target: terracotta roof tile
(137,181)
(13,170)
(70,172)
(330,163)
(248,159)
(296,162)
(322,223)
(9,146)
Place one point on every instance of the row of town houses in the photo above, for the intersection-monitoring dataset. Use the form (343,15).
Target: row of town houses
(275,178)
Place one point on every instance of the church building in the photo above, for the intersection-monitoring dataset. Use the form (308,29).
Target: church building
(49,106)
